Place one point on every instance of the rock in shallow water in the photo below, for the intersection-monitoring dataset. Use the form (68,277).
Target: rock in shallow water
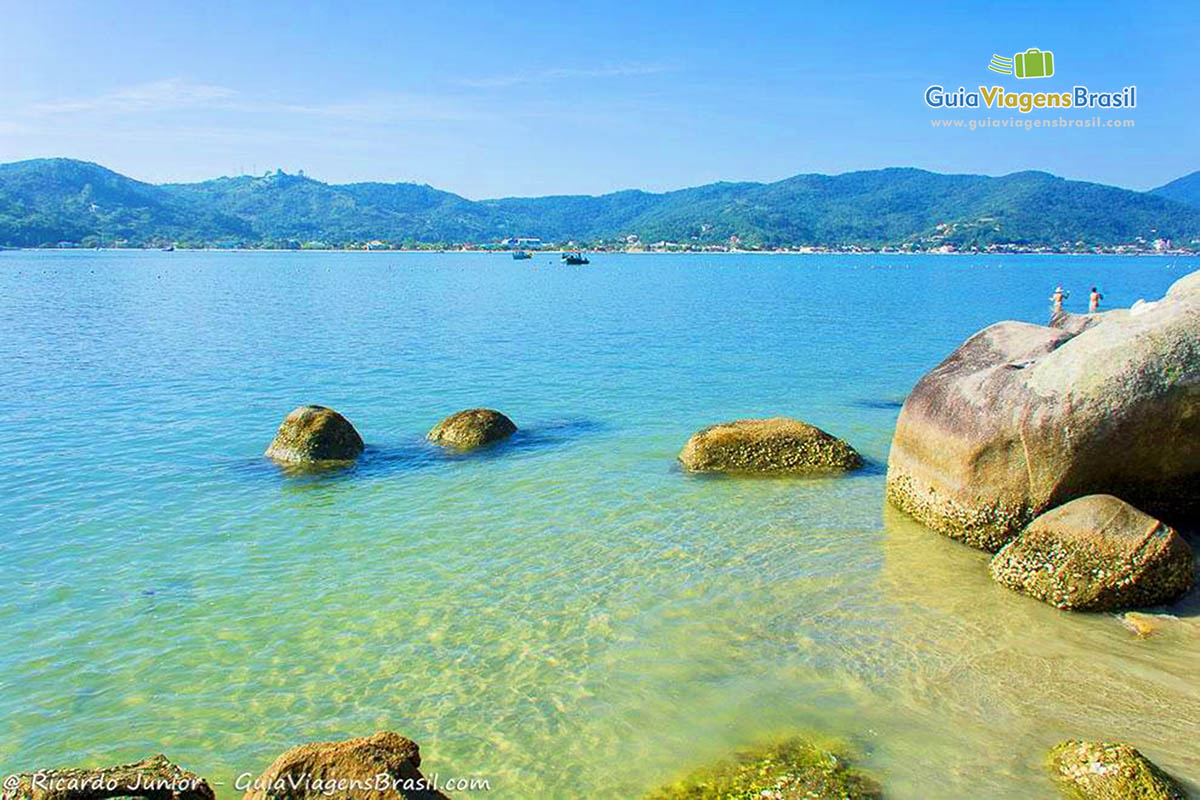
(379,767)
(1022,418)
(777,445)
(1142,625)
(1109,771)
(313,434)
(155,777)
(474,427)
(793,769)
(1097,553)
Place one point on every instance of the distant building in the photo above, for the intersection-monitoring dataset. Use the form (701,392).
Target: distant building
(525,243)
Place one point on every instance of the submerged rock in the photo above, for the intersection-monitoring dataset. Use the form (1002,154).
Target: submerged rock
(380,767)
(1109,771)
(793,769)
(1097,553)
(1022,418)
(155,777)
(780,444)
(312,434)
(1142,625)
(474,427)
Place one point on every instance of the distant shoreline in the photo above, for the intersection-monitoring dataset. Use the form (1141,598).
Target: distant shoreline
(1024,212)
(601,253)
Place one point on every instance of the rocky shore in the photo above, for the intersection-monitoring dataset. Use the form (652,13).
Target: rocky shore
(1022,418)
(1071,449)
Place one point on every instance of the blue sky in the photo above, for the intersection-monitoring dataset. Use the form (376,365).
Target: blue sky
(495,99)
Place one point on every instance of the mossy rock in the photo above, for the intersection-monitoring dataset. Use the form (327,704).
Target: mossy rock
(795,768)
(1097,553)
(154,778)
(472,428)
(315,434)
(1109,771)
(778,445)
(385,766)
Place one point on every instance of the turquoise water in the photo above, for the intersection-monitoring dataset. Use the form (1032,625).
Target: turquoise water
(567,615)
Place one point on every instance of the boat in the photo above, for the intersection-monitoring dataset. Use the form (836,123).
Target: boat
(169,248)
(521,255)
(574,259)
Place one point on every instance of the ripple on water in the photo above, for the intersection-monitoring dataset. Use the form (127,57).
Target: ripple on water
(536,612)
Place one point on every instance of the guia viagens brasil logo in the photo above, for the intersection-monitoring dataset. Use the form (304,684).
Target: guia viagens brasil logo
(1031,63)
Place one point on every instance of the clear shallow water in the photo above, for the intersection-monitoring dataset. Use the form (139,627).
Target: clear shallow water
(567,615)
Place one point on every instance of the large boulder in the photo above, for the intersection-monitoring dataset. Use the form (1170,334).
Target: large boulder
(1022,418)
(781,444)
(313,434)
(474,427)
(1097,553)
(155,778)
(792,769)
(1109,771)
(380,767)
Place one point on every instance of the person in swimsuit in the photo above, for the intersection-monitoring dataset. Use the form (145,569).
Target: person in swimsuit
(1056,299)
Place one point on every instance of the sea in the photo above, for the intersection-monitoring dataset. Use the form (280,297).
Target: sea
(564,615)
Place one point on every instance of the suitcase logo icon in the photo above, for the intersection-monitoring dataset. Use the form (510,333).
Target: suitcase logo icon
(1033,63)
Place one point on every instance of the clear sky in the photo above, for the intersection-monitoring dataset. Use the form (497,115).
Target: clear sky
(494,99)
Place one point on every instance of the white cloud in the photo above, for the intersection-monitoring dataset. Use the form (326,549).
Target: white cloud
(392,107)
(565,73)
(158,95)
(175,94)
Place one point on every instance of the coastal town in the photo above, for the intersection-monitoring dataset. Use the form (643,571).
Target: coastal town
(632,243)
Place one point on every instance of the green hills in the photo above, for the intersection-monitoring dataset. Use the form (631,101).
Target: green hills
(1185,190)
(47,201)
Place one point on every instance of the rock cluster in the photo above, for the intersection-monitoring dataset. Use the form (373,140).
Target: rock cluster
(385,766)
(1022,418)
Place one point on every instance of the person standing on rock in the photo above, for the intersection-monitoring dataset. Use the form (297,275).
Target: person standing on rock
(1057,298)
(1094,301)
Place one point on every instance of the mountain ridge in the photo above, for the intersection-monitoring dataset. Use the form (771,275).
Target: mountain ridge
(1185,189)
(46,201)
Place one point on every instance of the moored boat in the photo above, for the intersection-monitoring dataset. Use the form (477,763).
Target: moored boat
(574,259)
(521,255)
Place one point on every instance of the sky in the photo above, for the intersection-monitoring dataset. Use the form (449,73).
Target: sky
(492,99)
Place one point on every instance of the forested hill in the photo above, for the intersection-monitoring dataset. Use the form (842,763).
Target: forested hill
(1186,190)
(47,201)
